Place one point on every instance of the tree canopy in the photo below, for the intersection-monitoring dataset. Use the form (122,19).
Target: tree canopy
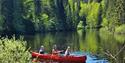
(26,16)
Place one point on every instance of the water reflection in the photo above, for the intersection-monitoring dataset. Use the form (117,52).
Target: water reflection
(93,43)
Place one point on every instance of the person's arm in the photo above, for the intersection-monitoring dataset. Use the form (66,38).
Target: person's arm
(53,51)
(66,52)
(39,50)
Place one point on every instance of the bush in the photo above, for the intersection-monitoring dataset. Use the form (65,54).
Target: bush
(120,29)
(13,51)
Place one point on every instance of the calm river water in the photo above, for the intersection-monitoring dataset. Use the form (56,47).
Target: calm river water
(99,47)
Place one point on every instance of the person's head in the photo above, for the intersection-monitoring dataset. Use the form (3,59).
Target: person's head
(54,47)
(68,47)
(42,46)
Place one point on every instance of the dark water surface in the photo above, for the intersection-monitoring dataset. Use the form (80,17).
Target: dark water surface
(99,47)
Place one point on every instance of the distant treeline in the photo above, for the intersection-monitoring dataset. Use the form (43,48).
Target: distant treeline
(28,16)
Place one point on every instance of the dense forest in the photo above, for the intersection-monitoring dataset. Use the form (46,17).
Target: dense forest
(28,16)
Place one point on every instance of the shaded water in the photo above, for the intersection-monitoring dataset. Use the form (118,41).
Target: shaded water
(99,47)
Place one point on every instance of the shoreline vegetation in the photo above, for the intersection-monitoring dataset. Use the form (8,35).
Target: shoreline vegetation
(118,30)
(14,51)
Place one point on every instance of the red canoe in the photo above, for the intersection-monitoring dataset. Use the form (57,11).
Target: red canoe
(78,59)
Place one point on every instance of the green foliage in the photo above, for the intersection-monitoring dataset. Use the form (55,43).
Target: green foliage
(45,2)
(48,23)
(120,29)
(91,12)
(84,9)
(103,4)
(103,7)
(120,38)
(72,13)
(29,10)
(114,13)
(80,25)
(92,18)
(13,51)
(105,22)
(71,3)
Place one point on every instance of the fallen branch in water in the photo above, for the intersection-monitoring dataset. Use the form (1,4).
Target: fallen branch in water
(114,56)
(120,50)
(109,54)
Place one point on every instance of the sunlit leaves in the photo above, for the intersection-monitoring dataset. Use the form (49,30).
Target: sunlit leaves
(91,12)
(105,22)
(13,51)
(92,17)
(84,9)
(71,3)
(45,19)
(120,29)
(45,2)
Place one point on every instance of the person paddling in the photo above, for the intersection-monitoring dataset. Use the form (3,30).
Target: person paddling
(41,51)
(67,52)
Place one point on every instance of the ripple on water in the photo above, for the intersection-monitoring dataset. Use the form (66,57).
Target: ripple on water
(91,58)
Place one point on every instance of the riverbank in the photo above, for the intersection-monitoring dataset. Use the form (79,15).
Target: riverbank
(116,30)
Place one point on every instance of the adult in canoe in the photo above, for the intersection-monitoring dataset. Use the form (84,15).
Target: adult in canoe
(42,50)
(67,52)
(55,51)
